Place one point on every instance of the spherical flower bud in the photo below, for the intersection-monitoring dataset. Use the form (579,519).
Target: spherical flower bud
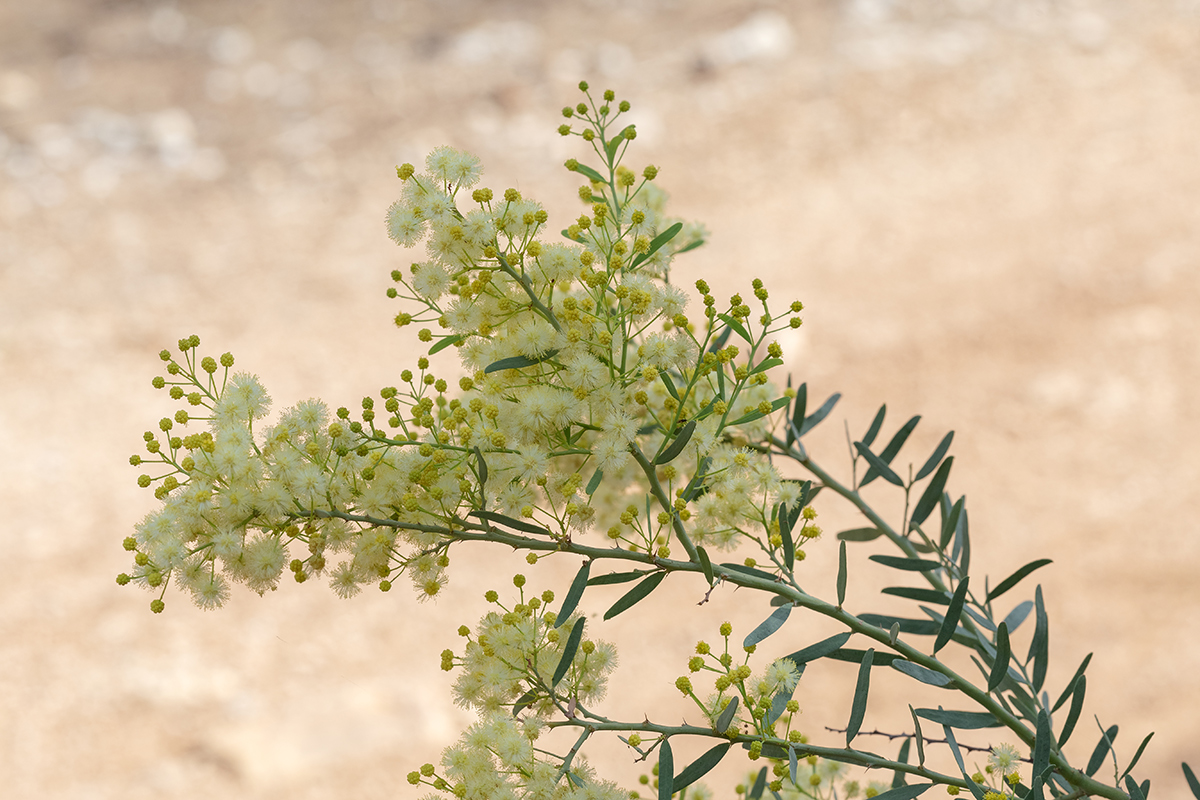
(650,172)
(157,606)
(405,171)
(518,580)
(511,195)
(414,778)
(143,481)
(630,133)
(755,750)
(684,684)
(588,134)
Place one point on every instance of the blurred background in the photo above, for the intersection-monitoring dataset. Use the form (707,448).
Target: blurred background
(991,211)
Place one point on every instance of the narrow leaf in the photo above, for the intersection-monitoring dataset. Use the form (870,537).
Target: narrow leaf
(751,571)
(1192,783)
(756,414)
(855,656)
(890,452)
(1018,615)
(950,623)
(818,650)
(933,492)
(445,342)
(766,364)
(1016,577)
(964,543)
(594,482)
(518,362)
(797,421)
(700,767)
(515,524)
(760,783)
(1000,665)
(677,446)
(1039,648)
(611,146)
(618,577)
(523,702)
(635,594)
(666,771)
(877,465)
(573,594)
(768,626)
(1135,791)
(792,765)
(1042,742)
(726,718)
(922,674)
(905,792)
(692,245)
(934,459)
(1102,748)
(705,564)
(950,524)
(719,342)
(1062,698)
(876,424)
(971,785)
(966,720)
(589,173)
(860,534)
(1136,756)
(481,465)
(907,564)
(841,576)
(658,241)
(921,627)
(785,532)
(1073,712)
(779,703)
(814,419)
(671,390)
(917,734)
(568,654)
(736,327)
(901,757)
(858,708)
(921,595)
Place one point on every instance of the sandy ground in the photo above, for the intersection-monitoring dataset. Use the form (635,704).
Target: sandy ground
(991,211)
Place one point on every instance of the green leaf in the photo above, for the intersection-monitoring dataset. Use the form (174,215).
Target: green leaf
(785,532)
(792,764)
(1000,665)
(950,623)
(920,627)
(1062,698)
(1073,712)
(921,595)
(1042,741)
(962,545)
(934,459)
(611,148)
(705,564)
(806,496)
(635,594)
(666,771)
(445,342)
(917,734)
(933,493)
(950,524)
(720,341)
(921,673)
(779,703)
(666,379)
(756,414)
(965,720)
(814,419)
(657,242)
(971,785)
(1016,577)
(878,467)
(618,577)
(523,702)
(726,718)
(594,482)
(518,362)
(889,452)
(1135,791)
(700,767)
(860,534)
(841,576)
(1137,756)
(677,446)
(876,424)
(751,571)
(573,594)
(906,564)
(481,465)
(1192,783)
(736,327)
(819,650)
(515,524)
(905,792)
(568,654)
(589,173)
(1102,748)
(798,414)
(858,708)
(1018,615)
(767,364)
(901,757)
(692,245)
(760,783)
(768,626)
(855,656)
(567,235)
(695,486)
(1039,648)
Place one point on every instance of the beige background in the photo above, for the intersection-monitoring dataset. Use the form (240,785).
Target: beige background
(990,210)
